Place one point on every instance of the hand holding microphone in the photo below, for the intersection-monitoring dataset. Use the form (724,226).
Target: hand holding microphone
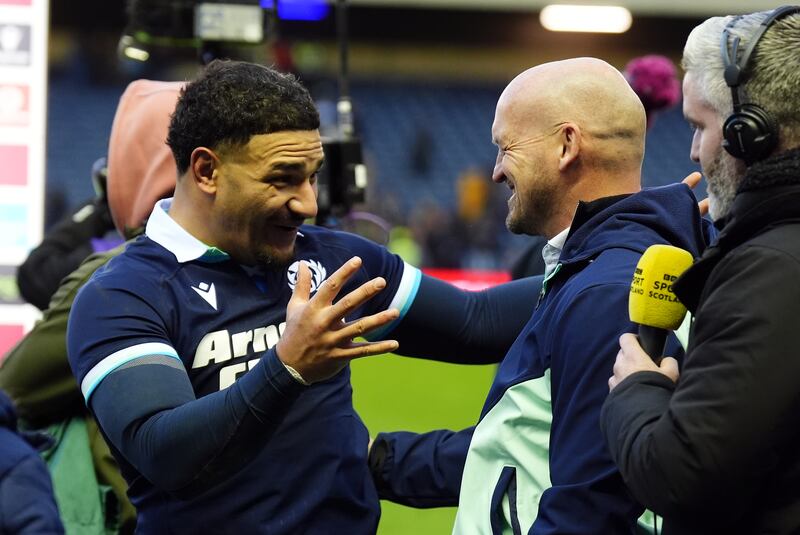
(653,305)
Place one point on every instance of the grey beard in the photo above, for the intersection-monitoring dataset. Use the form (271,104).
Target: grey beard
(724,176)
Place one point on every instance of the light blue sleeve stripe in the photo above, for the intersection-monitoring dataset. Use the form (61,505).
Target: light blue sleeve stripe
(403,297)
(117,359)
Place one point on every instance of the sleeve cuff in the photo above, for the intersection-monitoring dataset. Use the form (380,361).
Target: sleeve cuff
(278,373)
(295,374)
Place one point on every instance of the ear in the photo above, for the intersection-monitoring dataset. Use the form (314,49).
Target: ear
(570,137)
(204,169)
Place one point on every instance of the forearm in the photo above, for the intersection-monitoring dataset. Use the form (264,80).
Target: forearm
(627,422)
(420,470)
(186,445)
(449,324)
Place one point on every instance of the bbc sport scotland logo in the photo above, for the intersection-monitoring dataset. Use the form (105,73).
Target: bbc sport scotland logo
(318,274)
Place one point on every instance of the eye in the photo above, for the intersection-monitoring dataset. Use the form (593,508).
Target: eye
(277,180)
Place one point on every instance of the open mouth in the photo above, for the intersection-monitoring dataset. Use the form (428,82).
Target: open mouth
(284,234)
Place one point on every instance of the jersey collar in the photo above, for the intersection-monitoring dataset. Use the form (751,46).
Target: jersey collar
(166,232)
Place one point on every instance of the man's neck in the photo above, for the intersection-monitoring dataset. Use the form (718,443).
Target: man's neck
(184,211)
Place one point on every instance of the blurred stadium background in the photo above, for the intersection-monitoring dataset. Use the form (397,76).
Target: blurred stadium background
(425,75)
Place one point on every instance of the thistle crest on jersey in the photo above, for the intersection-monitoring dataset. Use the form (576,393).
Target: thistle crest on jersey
(318,274)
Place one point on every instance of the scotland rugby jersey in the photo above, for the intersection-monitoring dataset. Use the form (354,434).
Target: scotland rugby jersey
(169,294)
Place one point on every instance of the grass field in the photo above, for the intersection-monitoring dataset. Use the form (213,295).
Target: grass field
(402,394)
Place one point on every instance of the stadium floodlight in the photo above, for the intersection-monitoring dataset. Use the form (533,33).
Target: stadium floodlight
(577,18)
(130,48)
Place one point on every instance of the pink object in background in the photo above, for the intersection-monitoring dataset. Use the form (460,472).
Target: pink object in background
(9,335)
(655,79)
(13,165)
(469,279)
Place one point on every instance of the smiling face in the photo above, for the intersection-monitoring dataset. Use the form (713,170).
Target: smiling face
(723,172)
(265,190)
(522,164)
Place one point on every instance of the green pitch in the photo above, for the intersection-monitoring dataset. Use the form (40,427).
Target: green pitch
(402,394)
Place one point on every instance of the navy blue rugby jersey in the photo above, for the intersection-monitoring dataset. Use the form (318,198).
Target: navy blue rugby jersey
(170,294)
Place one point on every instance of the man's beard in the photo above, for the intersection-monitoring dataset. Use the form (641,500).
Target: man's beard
(531,210)
(724,175)
(274,260)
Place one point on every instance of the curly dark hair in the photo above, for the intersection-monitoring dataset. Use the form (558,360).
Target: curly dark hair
(230,102)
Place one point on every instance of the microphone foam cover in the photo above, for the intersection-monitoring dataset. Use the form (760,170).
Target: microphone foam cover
(652,301)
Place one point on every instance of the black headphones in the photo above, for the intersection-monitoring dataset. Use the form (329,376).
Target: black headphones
(749,133)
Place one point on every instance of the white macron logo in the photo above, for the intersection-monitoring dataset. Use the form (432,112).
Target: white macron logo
(318,274)
(207,293)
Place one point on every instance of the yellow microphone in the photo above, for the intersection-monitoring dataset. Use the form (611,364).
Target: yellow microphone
(652,303)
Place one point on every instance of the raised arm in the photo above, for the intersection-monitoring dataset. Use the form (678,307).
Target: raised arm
(147,407)
(448,324)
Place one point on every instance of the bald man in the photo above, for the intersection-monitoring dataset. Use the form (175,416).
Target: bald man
(570,138)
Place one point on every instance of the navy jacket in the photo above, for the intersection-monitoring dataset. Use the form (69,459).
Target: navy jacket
(520,472)
(27,504)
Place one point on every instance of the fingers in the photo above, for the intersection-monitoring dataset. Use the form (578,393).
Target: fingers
(356,298)
(329,289)
(629,343)
(367,324)
(357,350)
(703,207)
(302,287)
(612,383)
(692,180)
(669,367)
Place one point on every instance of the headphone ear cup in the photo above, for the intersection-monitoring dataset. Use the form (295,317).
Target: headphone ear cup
(750,134)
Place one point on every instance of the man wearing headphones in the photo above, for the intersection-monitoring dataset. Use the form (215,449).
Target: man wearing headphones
(716,451)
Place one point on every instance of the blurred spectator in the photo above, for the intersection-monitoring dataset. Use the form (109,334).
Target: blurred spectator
(401,242)
(36,372)
(421,150)
(27,505)
(67,244)
(442,241)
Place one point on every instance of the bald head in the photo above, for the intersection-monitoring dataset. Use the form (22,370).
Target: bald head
(588,92)
(566,131)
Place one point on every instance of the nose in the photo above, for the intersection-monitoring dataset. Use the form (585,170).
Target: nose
(694,152)
(304,202)
(498,175)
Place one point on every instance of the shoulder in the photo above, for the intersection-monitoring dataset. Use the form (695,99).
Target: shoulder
(782,241)
(336,247)
(334,239)
(610,271)
(772,254)
(65,294)
(143,268)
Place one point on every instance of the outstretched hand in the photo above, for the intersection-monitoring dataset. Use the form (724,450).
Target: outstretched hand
(317,340)
(692,181)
